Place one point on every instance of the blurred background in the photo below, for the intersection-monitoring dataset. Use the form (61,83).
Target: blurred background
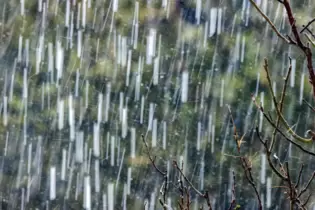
(83,79)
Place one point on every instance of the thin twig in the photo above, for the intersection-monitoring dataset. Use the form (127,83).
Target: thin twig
(285,123)
(274,169)
(281,105)
(309,105)
(299,176)
(269,21)
(282,134)
(204,195)
(307,25)
(307,185)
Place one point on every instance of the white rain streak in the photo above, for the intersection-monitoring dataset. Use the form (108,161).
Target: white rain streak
(29,159)
(198,10)
(121,104)
(151,115)
(20,48)
(52,186)
(96,140)
(263,169)
(59,60)
(5,110)
(115,5)
(292,76)
(302,87)
(138,79)
(156,71)
(213,21)
(110,197)
(87,85)
(79,45)
(6,144)
(60,111)
(67,14)
(99,108)
(142,110)
(206,30)
(135,26)
(198,136)
(97,179)
(184,88)
(237,47)
(212,138)
(63,165)
(39,53)
(124,124)
(79,142)
(83,23)
(25,84)
(133,143)
(27,55)
(123,49)
(22,7)
(129,178)
(87,193)
(219,26)
(112,151)
(107,101)
(151,46)
(164,134)
(154,133)
(78,16)
(71,118)
(222,92)
(268,193)
(50,58)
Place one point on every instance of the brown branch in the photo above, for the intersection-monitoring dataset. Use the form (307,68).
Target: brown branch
(307,51)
